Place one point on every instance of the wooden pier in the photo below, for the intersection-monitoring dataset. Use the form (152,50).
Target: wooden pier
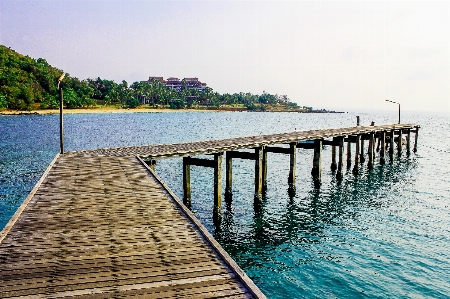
(101,224)
(107,227)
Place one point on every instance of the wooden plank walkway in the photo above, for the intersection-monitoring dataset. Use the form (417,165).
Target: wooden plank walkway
(105,227)
(221,145)
(101,224)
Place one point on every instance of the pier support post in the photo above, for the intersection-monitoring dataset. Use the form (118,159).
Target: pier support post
(216,164)
(340,157)
(292,168)
(258,156)
(400,142)
(151,163)
(217,186)
(317,162)
(383,147)
(187,183)
(264,171)
(293,162)
(356,166)
(258,172)
(371,146)
(408,142)
(374,145)
(229,176)
(333,157)
(391,145)
(349,153)
(362,158)
(416,137)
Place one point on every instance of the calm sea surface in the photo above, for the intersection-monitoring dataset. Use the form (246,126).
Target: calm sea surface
(384,233)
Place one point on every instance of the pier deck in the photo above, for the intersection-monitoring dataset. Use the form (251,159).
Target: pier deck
(105,227)
(101,224)
(221,145)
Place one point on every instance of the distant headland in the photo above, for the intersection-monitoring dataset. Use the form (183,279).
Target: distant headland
(29,86)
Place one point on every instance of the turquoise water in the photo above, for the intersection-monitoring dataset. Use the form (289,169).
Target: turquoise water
(384,233)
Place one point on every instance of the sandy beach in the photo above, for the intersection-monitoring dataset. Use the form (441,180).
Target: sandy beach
(102,110)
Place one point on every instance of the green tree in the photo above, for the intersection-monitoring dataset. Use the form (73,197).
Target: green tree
(177,104)
(132,102)
(71,99)
(3,102)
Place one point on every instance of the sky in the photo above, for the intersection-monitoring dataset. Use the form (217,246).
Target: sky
(343,55)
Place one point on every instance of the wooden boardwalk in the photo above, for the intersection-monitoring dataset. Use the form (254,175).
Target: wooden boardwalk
(221,145)
(105,227)
(101,224)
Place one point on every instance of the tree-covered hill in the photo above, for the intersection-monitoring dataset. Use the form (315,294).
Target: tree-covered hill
(27,83)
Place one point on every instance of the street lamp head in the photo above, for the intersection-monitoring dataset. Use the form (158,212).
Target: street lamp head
(392,102)
(60,79)
(398,108)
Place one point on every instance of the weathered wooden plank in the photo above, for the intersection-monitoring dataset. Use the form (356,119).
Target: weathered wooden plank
(211,146)
(95,243)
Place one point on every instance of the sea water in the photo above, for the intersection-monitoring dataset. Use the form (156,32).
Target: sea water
(384,233)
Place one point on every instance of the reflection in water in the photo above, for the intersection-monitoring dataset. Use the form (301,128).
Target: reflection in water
(303,222)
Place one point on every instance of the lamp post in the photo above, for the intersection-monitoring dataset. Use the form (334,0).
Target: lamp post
(61,120)
(398,109)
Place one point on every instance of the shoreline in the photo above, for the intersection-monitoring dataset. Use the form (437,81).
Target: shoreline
(101,110)
(139,110)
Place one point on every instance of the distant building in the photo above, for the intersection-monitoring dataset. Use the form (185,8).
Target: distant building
(160,79)
(173,83)
(177,84)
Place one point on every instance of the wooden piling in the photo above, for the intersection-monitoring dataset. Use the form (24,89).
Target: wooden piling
(349,154)
(391,145)
(374,145)
(400,142)
(187,183)
(340,157)
(264,171)
(333,158)
(357,154)
(371,144)
(362,157)
(217,185)
(293,163)
(416,137)
(383,147)
(228,175)
(153,165)
(258,171)
(408,142)
(317,161)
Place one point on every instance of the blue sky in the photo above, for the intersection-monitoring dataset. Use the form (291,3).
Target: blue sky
(332,55)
